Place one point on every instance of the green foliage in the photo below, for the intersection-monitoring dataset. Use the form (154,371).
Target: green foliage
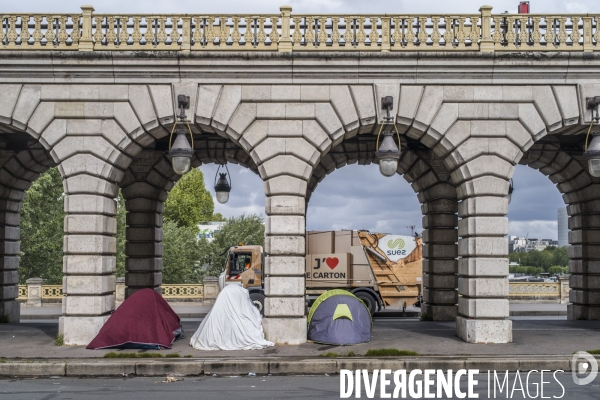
(59,340)
(551,256)
(557,269)
(121,226)
(520,269)
(181,254)
(188,356)
(2,361)
(248,230)
(112,354)
(189,203)
(42,219)
(218,217)
(597,351)
(332,354)
(389,352)
(172,355)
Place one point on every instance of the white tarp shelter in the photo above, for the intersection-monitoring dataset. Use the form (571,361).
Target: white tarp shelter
(234,323)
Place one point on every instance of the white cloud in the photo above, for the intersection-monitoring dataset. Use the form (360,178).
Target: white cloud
(534,229)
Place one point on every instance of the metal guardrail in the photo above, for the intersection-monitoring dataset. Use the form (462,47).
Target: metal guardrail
(287,32)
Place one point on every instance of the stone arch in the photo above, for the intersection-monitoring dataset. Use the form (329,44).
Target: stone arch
(480,132)
(285,129)
(145,187)
(581,193)
(430,180)
(91,132)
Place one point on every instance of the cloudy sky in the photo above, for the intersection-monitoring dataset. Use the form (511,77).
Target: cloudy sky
(355,197)
(359,197)
(299,6)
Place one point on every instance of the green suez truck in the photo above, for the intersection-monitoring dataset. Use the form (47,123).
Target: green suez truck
(380,269)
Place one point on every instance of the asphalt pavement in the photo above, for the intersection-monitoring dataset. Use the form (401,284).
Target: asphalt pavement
(270,387)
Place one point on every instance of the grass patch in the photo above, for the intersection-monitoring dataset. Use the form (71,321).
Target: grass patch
(2,361)
(112,354)
(594,351)
(59,340)
(332,354)
(188,356)
(389,353)
(4,319)
(172,355)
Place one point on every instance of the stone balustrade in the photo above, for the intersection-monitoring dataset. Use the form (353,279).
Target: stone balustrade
(35,292)
(286,32)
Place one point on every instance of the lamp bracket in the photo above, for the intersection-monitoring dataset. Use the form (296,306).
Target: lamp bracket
(183,103)
(592,102)
(387,103)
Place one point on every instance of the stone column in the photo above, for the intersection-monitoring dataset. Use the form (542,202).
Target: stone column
(119,291)
(34,292)
(211,289)
(9,260)
(89,257)
(144,187)
(144,245)
(483,266)
(439,252)
(584,259)
(285,320)
(565,289)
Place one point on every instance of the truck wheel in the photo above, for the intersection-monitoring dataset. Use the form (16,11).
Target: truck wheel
(369,301)
(258,299)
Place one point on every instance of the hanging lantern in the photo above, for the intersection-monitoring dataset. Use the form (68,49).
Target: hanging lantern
(223,185)
(181,151)
(592,152)
(388,153)
(511,188)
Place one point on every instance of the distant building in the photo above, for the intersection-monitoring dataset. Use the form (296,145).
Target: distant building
(207,230)
(520,244)
(563,227)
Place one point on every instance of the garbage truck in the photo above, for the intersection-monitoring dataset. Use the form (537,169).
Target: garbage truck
(380,269)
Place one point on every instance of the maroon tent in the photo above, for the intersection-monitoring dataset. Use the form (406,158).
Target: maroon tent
(144,321)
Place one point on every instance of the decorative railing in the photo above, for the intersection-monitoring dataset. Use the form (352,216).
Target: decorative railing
(287,32)
(534,289)
(52,292)
(183,291)
(22,292)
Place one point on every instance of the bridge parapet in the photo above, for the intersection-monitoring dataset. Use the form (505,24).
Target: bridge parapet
(286,32)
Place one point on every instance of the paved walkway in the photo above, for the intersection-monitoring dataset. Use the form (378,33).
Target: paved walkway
(531,337)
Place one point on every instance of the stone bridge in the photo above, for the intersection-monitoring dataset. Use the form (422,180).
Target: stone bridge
(293,97)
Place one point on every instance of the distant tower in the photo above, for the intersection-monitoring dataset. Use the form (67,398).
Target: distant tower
(563,227)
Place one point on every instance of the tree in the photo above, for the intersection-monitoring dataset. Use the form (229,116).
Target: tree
(181,254)
(189,203)
(42,220)
(121,239)
(248,230)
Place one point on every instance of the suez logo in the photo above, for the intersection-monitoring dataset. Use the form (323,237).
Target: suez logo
(396,247)
(437,384)
(397,244)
